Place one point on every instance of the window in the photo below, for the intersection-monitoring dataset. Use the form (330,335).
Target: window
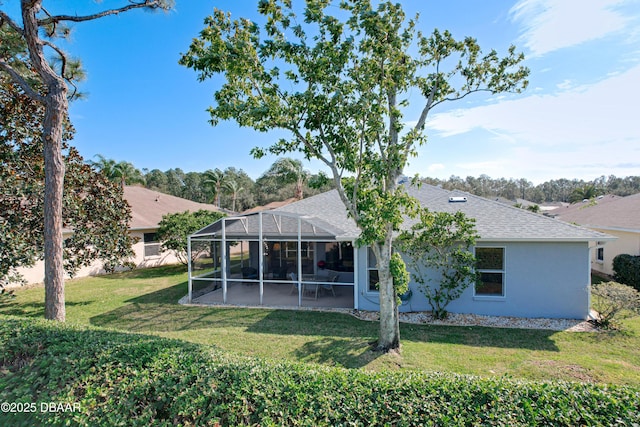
(490,264)
(291,250)
(338,256)
(600,254)
(151,245)
(372,270)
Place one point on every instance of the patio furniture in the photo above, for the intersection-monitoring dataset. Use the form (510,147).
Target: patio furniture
(328,286)
(279,272)
(307,288)
(294,279)
(249,273)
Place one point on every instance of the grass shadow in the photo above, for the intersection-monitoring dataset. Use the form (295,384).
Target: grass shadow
(159,311)
(347,353)
(148,273)
(328,338)
(31,309)
(479,336)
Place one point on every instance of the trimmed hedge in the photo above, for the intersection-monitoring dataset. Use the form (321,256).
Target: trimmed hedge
(627,270)
(126,379)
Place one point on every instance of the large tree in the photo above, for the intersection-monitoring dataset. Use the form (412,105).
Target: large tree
(233,188)
(93,207)
(123,172)
(213,181)
(289,171)
(38,30)
(342,85)
(174,230)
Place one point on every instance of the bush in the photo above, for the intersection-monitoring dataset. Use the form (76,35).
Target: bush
(174,230)
(117,378)
(614,302)
(627,270)
(441,243)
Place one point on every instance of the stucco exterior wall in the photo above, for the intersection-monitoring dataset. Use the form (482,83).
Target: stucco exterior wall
(627,243)
(549,280)
(36,273)
(151,261)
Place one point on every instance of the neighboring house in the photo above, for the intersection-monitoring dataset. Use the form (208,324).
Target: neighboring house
(147,209)
(614,215)
(305,254)
(526,204)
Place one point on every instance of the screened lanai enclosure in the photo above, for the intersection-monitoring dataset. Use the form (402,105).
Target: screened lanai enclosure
(275,259)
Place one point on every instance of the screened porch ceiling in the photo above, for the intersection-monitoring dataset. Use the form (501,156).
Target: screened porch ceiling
(270,226)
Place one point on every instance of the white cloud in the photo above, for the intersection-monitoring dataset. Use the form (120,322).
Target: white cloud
(588,114)
(436,167)
(586,131)
(550,25)
(566,84)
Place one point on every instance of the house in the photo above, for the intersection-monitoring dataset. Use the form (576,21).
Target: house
(305,254)
(147,209)
(614,215)
(526,204)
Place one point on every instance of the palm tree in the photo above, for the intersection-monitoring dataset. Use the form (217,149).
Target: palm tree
(290,170)
(124,172)
(585,192)
(232,186)
(106,166)
(213,180)
(128,174)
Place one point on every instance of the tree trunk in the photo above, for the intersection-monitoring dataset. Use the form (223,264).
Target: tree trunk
(389,338)
(299,189)
(54,308)
(56,106)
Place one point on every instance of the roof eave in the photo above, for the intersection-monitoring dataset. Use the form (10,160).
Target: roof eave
(548,239)
(611,228)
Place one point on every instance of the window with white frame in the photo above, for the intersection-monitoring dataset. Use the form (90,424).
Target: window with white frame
(151,245)
(490,265)
(306,250)
(372,271)
(600,254)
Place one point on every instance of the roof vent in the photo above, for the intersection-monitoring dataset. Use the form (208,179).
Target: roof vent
(457,199)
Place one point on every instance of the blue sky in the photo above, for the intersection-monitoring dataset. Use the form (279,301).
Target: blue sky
(577,119)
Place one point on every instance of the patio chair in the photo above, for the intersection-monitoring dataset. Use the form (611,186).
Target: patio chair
(249,273)
(294,279)
(329,287)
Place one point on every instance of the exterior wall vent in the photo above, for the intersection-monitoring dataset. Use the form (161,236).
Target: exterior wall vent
(457,199)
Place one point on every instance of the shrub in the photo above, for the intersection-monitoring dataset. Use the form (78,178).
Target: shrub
(441,243)
(627,270)
(614,302)
(174,230)
(128,379)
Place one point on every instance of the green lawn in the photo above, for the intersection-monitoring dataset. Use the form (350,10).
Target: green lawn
(146,301)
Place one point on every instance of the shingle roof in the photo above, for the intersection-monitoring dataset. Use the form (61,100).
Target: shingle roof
(270,206)
(494,221)
(611,212)
(275,225)
(148,206)
(329,208)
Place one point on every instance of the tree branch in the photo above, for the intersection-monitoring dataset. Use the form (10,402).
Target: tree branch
(20,81)
(63,57)
(5,18)
(456,98)
(153,4)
